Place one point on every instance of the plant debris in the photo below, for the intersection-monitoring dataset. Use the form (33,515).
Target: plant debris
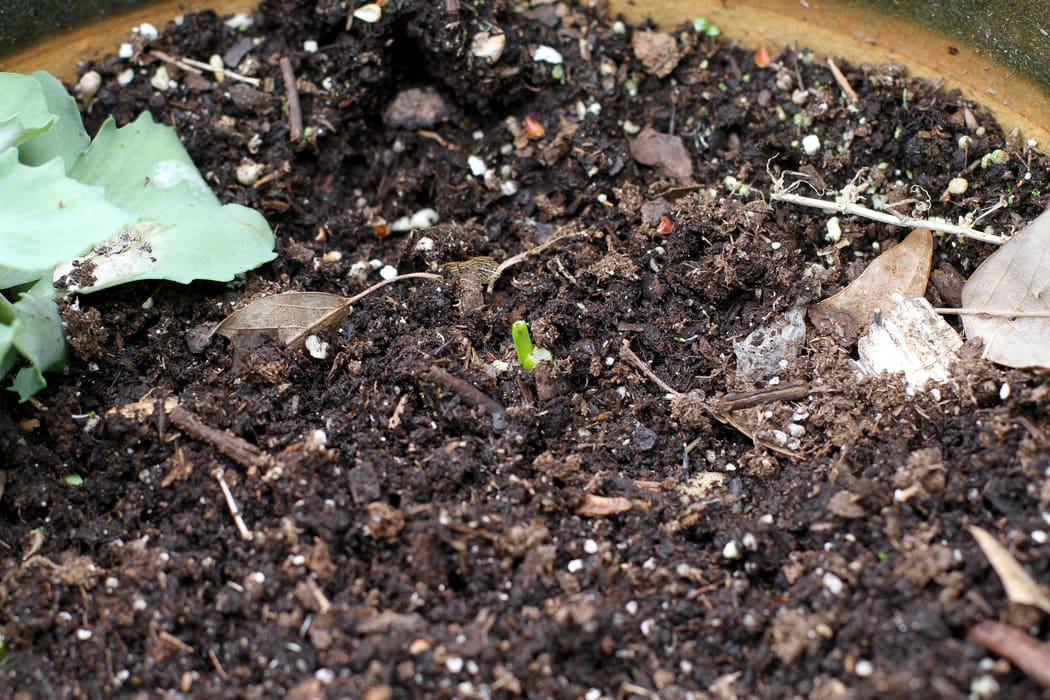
(430,520)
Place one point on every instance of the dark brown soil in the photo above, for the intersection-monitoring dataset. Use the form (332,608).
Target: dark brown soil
(551,537)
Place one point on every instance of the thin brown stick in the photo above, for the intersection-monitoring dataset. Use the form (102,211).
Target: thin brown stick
(231,503)
(1025,651)
(399,278)
(789,391)
(240,451)
(630,356)
(465,390)
(841,80)
(295,111)
(218,665)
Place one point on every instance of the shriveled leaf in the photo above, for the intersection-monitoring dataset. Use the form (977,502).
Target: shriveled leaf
(1019,586)
(46,217)
(903,269)
(289,317)
(1015,278)
(657,51)
(184,233)
(911,338)
(601,506)
(664,151)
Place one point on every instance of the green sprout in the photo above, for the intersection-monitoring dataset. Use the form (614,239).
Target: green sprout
(528,355)
(73,479)
(128,204)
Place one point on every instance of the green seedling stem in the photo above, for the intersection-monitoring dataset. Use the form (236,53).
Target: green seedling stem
(528,355)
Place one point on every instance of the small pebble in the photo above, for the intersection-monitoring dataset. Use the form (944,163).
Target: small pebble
(811,144)
(863,669)
(89,84)
(1039,536)
(575,565)
(310,46)
(958,185)
(83,634)
(161,80)
(388,272)
(249,172)
(146,31)
(833,583)
(454,664)
(477,165)
(126,50)
(317,348)
(731,550)
(546,54)
(590,546)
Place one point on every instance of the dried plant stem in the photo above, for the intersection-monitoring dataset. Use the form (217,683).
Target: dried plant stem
(295,111)
(515,259)
(231,503)
(992,313)
(380,285)
(778,195)
(193,66)
(851,95)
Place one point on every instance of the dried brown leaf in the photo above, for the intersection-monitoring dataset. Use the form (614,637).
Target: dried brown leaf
(1019,586)
(1014,278)
(904,269)
(664,151)
(289,317)
(600,506)
(658,52)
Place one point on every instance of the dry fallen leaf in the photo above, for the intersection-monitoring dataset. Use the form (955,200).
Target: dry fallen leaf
(600,506)
(658,52)
(664,151)
(1020,587)
(289,317)
(1014,278)
(911,338)
(904,269)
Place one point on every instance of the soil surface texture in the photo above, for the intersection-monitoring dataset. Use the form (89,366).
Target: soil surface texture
(399,510)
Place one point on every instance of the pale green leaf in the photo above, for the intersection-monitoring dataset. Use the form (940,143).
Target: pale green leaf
(183,233)
(46,217)
(23,109)
(67,138)
(39,339)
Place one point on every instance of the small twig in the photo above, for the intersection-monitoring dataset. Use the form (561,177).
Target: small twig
(199,67)
(991,313)
(231,503)
(1025,651)
(174,641)
(465,390)
(891,219)
(237,449)
(295,111)
(218,666)
(789,391)
(515,259)
(630,356)
(841,80)
(380,285)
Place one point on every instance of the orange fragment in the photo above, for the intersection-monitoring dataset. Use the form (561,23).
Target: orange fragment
(665,225)
(762,58)
(534,129)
